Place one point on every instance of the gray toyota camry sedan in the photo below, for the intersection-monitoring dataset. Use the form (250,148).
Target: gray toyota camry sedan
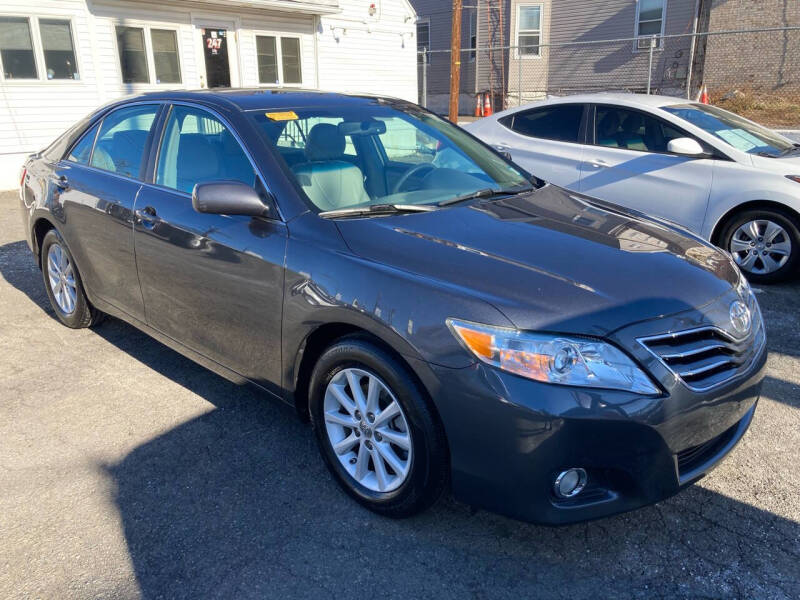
(442,317)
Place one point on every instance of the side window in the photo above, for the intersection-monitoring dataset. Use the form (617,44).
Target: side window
(561,122)
(122,139)
(198,148)
(632,130)
(83,149)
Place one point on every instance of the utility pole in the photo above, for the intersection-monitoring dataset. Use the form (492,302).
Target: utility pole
(455,61)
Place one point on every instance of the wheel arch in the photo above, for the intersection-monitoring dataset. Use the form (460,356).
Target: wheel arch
(719,226)
(320,339)
(41,226)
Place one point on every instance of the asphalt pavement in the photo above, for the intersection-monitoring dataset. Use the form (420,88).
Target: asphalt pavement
(128,471)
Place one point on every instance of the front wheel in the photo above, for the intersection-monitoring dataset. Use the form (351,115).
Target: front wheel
(375,429)
(764,243)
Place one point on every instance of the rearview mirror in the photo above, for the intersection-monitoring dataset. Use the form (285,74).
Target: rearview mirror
(228,198)
(368,127)
(685,147)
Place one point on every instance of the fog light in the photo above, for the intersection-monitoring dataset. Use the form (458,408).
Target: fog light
(570,483)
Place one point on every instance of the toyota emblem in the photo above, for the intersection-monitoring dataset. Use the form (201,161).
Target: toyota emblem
(740,317)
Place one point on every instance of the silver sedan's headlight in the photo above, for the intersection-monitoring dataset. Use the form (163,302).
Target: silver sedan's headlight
(553,358)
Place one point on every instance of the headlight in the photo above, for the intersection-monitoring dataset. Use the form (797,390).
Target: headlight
(553,358)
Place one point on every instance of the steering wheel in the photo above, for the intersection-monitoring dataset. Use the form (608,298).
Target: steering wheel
(408,174)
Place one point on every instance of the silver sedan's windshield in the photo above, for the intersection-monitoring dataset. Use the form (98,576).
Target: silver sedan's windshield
(383,153)
(732,129)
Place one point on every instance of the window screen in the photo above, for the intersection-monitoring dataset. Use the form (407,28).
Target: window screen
(16,48)
(165,55)
(267,59)
(290,54)
(59,53)
(132,56)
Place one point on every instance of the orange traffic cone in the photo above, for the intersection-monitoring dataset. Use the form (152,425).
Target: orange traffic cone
(487,106)
(704,95)
(478,112)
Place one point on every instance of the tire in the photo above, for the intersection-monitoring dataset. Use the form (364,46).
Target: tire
(740,238)
(69,302)
(426,464)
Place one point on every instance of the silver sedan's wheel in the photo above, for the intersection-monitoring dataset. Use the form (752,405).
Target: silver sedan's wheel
(761,246)
(368,430)
(61,275)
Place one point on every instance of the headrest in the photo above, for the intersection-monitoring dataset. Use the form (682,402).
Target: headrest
(609,124)
(324,142)
(198,158)
(632,123)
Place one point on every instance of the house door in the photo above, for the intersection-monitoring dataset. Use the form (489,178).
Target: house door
(215,52)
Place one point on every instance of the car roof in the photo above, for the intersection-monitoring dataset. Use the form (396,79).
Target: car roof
(261,98)
(621,98)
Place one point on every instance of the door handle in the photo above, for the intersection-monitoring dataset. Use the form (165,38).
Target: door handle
(147,216)
(501,148)
(599,162)
(61,182)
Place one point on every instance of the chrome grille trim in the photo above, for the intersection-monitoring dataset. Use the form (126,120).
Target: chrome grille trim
(706,357)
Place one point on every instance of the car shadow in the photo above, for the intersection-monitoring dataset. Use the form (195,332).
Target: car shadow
(237,503)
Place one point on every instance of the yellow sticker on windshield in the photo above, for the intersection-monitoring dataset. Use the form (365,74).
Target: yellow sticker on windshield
(287,115)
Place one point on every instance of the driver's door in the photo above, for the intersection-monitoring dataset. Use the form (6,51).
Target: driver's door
(211,282)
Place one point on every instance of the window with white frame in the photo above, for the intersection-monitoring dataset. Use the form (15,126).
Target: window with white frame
(423,39)
(279,61)
(529,30)
(135,57)
(649,20)
(20,56)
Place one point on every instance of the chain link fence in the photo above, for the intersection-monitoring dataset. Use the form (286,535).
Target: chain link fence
(755,73)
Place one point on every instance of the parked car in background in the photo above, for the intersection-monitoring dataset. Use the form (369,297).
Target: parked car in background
(725,178)
(441,317)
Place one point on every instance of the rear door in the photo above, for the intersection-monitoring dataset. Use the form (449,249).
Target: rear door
(627,163)
(212,282)
(547,141)
(93,193)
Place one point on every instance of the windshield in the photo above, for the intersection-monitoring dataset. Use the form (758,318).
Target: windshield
(732,129)
(382,152)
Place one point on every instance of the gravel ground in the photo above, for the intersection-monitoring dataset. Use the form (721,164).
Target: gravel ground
(128,471)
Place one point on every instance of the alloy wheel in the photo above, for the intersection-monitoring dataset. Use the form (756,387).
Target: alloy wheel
(61,275)
(368,430)
(761,246)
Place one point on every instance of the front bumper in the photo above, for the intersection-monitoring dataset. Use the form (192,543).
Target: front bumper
(509,437)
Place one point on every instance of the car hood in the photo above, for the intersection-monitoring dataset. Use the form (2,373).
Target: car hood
(551,259)
(788,165)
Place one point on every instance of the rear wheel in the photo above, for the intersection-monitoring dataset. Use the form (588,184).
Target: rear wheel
(63,284)
(375,429)
(764,243)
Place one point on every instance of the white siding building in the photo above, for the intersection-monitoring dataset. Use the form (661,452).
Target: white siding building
(61,59)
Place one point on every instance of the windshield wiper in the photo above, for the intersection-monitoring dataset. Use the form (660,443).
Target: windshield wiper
(484,193)
(376,209)
(789,151)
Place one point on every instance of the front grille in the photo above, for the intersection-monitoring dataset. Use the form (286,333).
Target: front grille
(697,456)
(706,357)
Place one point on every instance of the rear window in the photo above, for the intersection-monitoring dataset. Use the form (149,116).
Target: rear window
(561,122)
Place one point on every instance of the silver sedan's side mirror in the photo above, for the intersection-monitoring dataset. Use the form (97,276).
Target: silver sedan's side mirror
(685,147)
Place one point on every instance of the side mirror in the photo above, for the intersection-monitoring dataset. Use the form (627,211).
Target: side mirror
(686,147)
(228,198)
